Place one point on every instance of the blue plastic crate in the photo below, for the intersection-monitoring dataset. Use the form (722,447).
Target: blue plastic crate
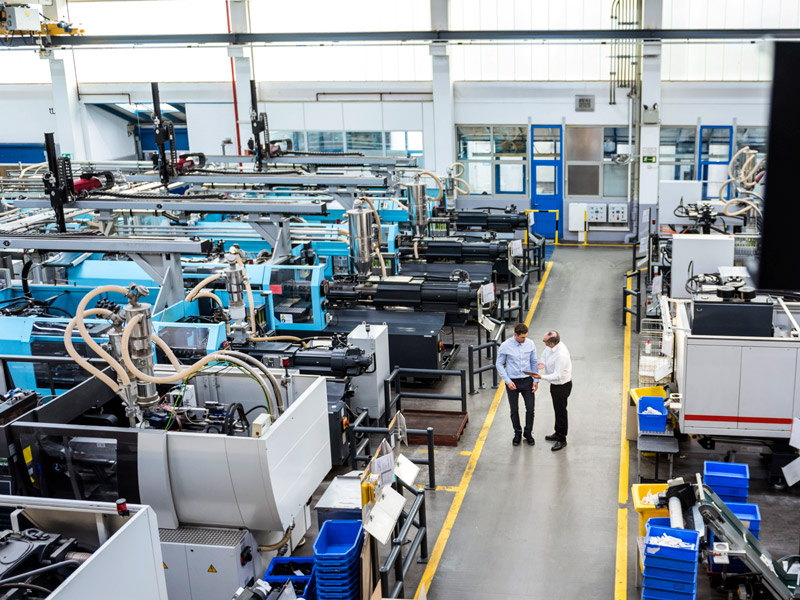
(658,522)
(336,570)
(656,594)
(726,474)
(321,595)
(302,561)
(685,587)
(341,588)
(671,574)
(338,542)
(728,491)
(652,422)
(687,566)
(735,499)
(747,513)
(337,578)
(686,535)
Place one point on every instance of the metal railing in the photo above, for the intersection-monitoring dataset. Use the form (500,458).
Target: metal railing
(491,350)
(393,399)
(628,291)
(505,298)
(417,517)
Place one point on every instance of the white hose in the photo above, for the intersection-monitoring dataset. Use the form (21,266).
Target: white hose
(438,184)
(461,190)
(278,338)
(78,358)
(461,166)
(416,249)
(377,250)
(79,315)
(196,289)
(26,169)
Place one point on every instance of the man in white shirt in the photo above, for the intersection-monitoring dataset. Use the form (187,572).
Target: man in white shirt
(556,369)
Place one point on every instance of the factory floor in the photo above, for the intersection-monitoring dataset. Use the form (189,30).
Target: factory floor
(511,522)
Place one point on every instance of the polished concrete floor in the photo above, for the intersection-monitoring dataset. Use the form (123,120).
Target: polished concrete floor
(535,523)
(524,522)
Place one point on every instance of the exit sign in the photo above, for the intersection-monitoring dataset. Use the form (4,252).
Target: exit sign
(649,159)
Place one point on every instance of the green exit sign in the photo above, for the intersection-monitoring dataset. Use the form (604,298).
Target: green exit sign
(649,159)
(66,155)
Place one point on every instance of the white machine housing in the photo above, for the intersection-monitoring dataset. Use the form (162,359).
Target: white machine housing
(705,253)
(261,484)
(374,340)
(127,562)
(738,386)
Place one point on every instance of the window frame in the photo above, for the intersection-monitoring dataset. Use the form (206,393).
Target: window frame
(497,160)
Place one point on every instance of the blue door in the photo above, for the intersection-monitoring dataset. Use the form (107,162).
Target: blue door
(715,151)
(547,190)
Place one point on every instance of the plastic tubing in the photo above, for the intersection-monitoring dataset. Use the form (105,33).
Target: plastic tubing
(276,387)
(461,190)
(377,250)
(78,358)
(196,289)
(79,315)
(438,184)
(249,294)
(278,338)
(461,166)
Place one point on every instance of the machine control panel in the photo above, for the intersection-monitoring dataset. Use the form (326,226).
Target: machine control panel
(596,213)
(618,213)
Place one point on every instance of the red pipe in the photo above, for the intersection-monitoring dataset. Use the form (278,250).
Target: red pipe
(233,85)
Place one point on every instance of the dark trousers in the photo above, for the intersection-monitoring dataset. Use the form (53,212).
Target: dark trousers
(560,394)
(524,387)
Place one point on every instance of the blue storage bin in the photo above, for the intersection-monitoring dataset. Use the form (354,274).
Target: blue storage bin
(337,578)
(747,513)
(685,587)
(338,543)
(726,474)
(686,535)
(658,522)
(729,492)
(670,574)
(656,594)
(308,587)
(303,561)
(652,422)
(686,566)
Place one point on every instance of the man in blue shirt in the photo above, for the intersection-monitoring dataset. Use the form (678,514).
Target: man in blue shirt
(516,358)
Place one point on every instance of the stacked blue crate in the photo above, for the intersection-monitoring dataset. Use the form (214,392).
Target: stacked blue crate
(337,560)
(297,569)
(750,517)
(730,481)
(670,573)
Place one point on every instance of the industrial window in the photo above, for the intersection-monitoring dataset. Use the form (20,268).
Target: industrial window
(617,153)
(407,144)
(677,153)
(495,157)
(753,137)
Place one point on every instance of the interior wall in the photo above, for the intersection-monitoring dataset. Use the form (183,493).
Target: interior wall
(107,136)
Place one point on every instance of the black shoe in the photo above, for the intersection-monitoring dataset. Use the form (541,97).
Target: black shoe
(517,439)
(551,438)
(558,445)
(530,440)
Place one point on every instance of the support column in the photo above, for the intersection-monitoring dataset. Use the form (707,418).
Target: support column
(70,112)
(443,105)
(242,71)
(650,134)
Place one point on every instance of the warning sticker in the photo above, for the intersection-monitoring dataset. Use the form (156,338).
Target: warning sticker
(211,569)
(27,454)
(165,565)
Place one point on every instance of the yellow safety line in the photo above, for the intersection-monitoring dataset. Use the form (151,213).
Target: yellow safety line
(455,507)
(621,570)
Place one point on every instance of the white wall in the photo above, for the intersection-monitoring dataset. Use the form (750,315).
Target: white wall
(107,136)
(26,113)
(208,125)
(715,103)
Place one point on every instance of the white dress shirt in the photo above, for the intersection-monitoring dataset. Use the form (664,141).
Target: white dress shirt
(557,364)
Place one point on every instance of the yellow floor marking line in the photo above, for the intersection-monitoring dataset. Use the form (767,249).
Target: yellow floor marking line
(466,453)
(455,507)
(621,570)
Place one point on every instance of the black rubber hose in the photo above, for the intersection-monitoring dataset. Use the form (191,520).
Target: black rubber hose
(26,270)
(27,586)
(36,572)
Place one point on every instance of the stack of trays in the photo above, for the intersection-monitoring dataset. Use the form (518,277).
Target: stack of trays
(337,558)
(670,573)
(730,481)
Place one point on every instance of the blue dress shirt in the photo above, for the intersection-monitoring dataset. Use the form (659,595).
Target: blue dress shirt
(513,359)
